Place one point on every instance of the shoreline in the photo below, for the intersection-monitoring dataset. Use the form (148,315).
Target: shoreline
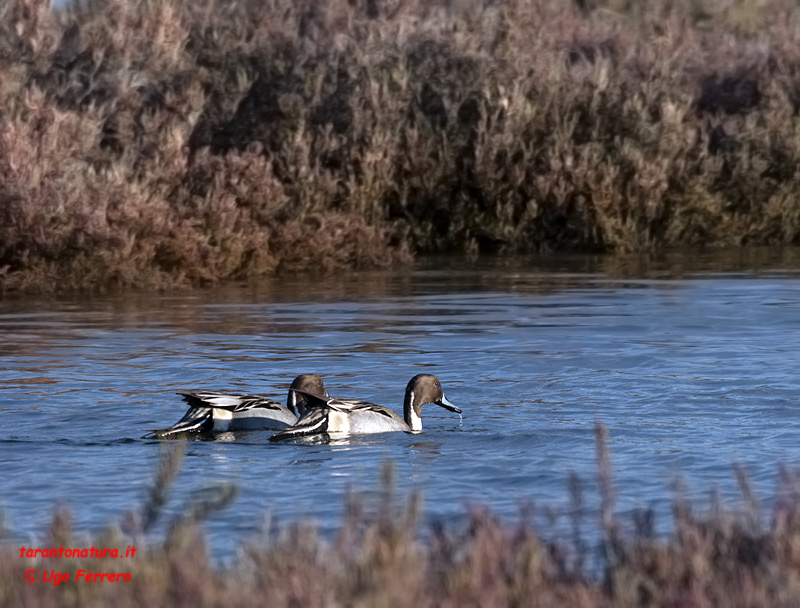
(176,144)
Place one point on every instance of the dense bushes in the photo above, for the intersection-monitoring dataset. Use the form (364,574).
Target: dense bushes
(163,142)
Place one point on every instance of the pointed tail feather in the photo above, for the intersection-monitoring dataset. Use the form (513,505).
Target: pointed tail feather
(187,424)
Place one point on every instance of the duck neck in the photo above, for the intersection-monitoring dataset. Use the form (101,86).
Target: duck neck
(411,412)
(291,404)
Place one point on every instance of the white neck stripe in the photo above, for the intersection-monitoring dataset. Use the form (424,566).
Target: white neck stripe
(414,421)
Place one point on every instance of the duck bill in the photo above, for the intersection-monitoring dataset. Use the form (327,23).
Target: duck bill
(447,405)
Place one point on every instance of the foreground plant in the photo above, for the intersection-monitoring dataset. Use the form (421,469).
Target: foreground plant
(378,558)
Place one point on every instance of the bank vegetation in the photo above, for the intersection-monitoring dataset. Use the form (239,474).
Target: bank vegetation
(160,143)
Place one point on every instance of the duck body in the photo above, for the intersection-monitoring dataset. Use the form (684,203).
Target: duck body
(349,416)
(213,411)
(354,416)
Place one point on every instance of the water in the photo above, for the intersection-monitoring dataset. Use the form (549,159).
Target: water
(691,362)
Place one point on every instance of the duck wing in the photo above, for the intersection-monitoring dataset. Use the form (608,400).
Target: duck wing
(230,402)
(313,422)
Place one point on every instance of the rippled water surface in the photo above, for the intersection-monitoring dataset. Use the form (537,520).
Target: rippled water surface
(690,362)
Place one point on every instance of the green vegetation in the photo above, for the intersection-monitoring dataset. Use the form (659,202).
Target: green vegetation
(724,558)
(161,143)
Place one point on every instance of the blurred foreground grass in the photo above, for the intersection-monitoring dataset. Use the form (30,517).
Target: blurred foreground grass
(377,558)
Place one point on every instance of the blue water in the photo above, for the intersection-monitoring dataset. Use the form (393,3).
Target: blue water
(692,367)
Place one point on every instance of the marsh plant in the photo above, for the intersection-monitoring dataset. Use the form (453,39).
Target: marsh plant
(161,143)
(382,555)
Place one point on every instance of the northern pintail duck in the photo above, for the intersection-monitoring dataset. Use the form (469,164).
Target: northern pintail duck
(351,416)
(215,411)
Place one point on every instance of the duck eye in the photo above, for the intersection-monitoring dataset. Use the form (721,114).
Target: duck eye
(436,383)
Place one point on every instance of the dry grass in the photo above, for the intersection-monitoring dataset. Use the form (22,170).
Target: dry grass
(166,142)
(724,558)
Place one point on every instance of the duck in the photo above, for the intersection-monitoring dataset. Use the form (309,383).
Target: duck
(218,412)
(355,416)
